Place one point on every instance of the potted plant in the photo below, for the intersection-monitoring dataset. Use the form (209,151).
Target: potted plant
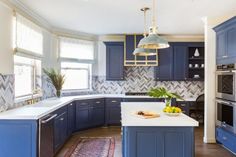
(57,79)
(163,93)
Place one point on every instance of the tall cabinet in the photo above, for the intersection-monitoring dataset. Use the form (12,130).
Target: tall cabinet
(226,42)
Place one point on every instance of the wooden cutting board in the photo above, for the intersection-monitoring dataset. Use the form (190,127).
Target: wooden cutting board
(147,115)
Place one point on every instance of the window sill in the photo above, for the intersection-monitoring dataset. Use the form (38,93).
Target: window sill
(26,98)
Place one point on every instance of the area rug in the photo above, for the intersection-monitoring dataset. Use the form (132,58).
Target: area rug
(92,147)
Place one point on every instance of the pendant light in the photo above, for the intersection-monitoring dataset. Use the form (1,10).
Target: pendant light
(153,40)
(143,51)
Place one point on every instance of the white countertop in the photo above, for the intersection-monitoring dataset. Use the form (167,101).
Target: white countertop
(40,109)
(130,119)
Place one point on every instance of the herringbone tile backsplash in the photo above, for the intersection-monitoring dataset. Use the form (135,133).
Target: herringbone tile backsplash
(137,79)
(6,92)
(141,79)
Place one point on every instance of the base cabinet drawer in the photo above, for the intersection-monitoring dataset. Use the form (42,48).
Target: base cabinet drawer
(226,138)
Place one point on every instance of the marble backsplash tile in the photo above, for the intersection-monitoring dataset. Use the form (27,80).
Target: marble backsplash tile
(6,92)
(141,79)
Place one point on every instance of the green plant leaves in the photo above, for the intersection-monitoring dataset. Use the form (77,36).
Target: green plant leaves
(56,77)
(163,93)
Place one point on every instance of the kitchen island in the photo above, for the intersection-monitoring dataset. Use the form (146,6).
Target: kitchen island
(164,136)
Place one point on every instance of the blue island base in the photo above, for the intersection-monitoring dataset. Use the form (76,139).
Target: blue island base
(158,141)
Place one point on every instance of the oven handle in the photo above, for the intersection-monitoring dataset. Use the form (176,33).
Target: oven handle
(226,102)
(47,120)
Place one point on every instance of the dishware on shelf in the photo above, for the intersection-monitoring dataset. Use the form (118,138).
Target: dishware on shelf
(190,65)
(196,54)
(196,76)
(196,66)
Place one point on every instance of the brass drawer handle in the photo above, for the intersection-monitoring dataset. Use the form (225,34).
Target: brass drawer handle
(61,119)
(183,105)
(113,101)
(98,102)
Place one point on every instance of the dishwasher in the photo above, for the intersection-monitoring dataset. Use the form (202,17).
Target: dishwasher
(46,133)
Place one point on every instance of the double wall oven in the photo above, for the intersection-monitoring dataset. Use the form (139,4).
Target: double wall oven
(226,97)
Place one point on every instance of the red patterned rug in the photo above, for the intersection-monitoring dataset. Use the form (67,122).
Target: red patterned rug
(92,147)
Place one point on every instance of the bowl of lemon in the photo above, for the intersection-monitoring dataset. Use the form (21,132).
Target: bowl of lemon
(172,111)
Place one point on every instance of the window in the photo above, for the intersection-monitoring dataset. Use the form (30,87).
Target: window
(76,58)
(28,36)
(77,75)
(28,48)
(27,75)
(76,49)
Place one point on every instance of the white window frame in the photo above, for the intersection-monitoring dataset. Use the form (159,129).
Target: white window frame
(89,79)
(36,92)
(74,60)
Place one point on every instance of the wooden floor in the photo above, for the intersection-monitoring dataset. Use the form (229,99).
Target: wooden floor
(201,149)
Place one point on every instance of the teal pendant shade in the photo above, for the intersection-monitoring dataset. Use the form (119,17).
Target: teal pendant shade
(144,52)
(153,41)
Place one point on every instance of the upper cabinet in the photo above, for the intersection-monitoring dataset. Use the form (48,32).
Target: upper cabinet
(114,61)
(164,71)
(226,42)
(182,61)
(131,43)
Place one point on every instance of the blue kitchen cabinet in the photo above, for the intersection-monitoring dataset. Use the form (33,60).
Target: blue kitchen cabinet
(164,71)
(226,138)
(90,113)
(158,141)
(180,65)
(83,113)
(226,42)
(18,138)
(60,128)
(113,111)
(130,42)
(98,112)
(114,61)
(71,118)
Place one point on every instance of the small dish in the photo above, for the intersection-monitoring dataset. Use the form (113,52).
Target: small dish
(172,114)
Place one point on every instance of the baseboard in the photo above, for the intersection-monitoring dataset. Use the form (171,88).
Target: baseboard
(209,140)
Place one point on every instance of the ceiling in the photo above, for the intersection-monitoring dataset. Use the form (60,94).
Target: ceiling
(174,17)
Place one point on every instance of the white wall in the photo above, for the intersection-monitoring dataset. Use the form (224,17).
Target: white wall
(6,48)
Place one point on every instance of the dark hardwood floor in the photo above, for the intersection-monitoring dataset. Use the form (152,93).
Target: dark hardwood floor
(201,149)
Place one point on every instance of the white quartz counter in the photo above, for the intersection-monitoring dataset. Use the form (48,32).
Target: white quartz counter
(40,109)
(130,119)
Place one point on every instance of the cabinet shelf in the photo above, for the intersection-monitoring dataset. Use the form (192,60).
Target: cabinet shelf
(196,68)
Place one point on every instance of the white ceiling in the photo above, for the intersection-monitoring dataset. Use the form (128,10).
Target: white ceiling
(123,16)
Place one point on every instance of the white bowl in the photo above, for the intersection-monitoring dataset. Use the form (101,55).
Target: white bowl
(172,114)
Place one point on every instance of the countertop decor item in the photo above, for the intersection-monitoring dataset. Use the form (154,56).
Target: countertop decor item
(57,79)
(172,111)
(163,93)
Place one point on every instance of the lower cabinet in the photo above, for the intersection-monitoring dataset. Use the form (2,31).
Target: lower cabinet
(60,128)
(184,105)
(226,138)
(89,113)
(71,118)
(113,111)
(158,141)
